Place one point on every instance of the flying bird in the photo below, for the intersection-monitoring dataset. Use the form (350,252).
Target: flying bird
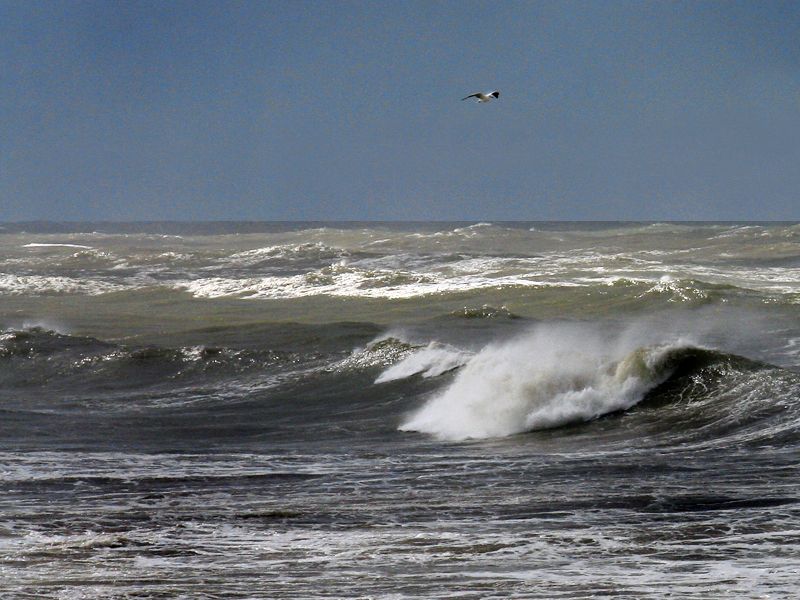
(481,97)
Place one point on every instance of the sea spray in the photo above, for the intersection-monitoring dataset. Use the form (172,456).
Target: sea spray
(431,361)
(551,376)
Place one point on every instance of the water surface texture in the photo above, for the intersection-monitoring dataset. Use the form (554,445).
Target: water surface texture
(466,410)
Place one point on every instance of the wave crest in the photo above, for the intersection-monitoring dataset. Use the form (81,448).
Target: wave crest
(551,377)
(431,361)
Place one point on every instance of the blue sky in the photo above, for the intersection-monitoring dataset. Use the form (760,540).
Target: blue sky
(351,110)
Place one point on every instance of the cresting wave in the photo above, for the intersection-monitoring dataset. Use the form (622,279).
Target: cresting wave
(32,285)
(557,375)
(430,361)
(550,376)
(47,352)
(82,365)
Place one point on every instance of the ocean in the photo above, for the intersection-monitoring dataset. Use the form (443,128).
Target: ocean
(399,410)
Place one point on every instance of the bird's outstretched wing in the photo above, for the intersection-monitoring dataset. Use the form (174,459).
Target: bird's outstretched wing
(471,96)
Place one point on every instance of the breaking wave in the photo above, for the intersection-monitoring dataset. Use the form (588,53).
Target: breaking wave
(561,374)
(310,251)
(18,285)
(431,361)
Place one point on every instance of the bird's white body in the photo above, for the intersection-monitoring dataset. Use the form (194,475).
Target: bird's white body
(482,97)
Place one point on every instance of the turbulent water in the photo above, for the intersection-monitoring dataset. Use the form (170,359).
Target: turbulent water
(473,410)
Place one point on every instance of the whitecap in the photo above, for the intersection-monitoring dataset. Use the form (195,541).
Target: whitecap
(43,245)
(39,284)
(548,378)
(431,361)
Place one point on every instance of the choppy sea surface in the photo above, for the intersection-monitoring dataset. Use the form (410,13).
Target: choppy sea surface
(406,410)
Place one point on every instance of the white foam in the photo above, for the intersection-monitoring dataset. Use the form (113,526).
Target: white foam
(39,284)
(42,245)
(552,376)
(470,228)
(383,350)
(676,290)
(402,276)
(431,361)
(316,250)
(416,269)
(353,281)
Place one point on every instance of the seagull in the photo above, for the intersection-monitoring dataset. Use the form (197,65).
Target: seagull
(487,97)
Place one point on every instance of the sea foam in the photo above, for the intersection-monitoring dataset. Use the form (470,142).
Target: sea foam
(431,361)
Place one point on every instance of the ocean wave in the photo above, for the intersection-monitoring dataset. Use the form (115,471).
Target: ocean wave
(340,281)
(384,350)
(304,251)
(548,378)
(474,227)
(716,399)
(19,285)
(338,263)
(40,355)
(431,361)
(466,231)
(354,280)
(678,290)
(559,375)
(484,312)
(53,245)
(551,377)
(779,231)
(37,340)
(468,276)
(622,229)
(78,259)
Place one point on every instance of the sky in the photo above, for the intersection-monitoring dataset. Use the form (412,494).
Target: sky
(295,110)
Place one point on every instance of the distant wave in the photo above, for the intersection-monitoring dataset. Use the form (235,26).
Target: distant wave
(42,245)
(353,281)
(660,262)
(54,285)
(484,312)
(305,252)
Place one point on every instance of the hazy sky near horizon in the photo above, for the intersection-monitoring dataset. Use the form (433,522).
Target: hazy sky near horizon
(351,110)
